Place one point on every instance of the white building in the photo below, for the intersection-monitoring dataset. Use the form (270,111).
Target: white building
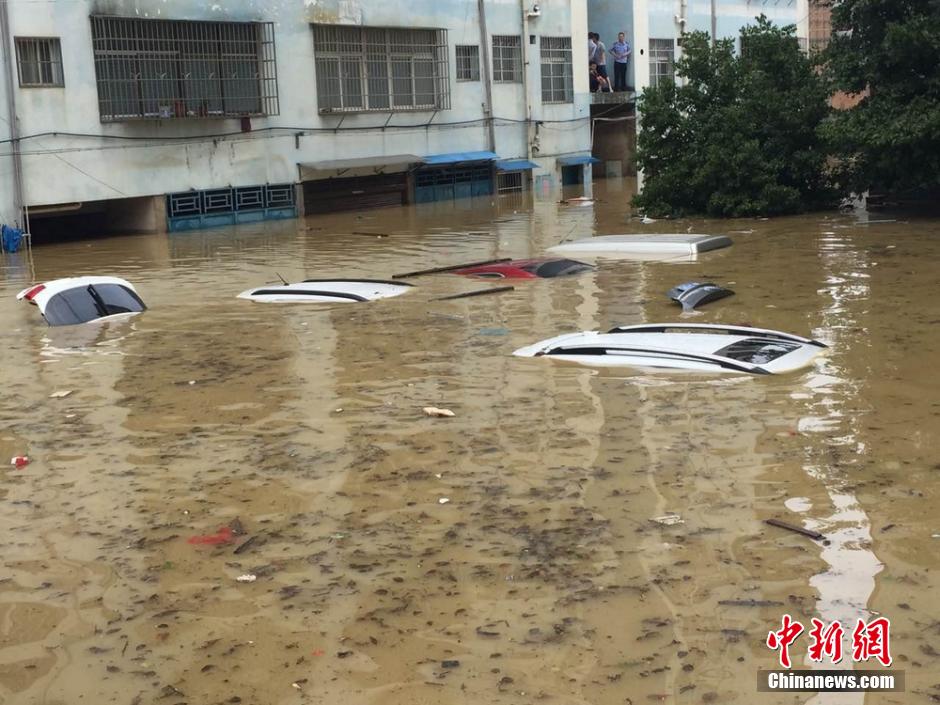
(153,113)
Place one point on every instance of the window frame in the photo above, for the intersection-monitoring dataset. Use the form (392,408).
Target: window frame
(507,52)
(551,58)
(658,57)
(364,69)
(471,58)
(54,63)
(157,69)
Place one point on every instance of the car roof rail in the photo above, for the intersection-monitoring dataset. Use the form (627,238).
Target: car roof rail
(716,360)
(741,330)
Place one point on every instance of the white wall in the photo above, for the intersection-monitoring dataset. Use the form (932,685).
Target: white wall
(62,169)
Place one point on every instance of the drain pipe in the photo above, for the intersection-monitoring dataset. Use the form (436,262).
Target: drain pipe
(9,61)
(487,77)
(525,79)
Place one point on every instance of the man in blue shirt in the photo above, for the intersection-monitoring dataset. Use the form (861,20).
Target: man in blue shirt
(621,52)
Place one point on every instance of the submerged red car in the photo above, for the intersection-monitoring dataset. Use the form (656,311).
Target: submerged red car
(539,268)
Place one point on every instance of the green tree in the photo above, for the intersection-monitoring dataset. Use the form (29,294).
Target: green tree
(889,51)
(738,137)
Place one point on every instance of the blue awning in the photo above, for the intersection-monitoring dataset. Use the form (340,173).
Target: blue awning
(515,165)
(456,157)
(581,159)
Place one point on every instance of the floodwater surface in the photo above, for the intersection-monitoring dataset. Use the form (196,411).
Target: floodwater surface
(505,555)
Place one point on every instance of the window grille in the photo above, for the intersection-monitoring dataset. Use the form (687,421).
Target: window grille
(557,82)
(509,182)
(468,62)
(225,200)
(507,59)
(662,58)
(362,69)
(150,69)
(39,62)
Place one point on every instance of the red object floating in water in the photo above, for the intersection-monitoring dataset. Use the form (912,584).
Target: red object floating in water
(19,461)
(224,535)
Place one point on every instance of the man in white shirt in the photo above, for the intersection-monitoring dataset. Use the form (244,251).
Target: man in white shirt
(621,52)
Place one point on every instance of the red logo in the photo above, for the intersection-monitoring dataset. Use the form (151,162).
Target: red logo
(871,641)
(868,640)
(782,639)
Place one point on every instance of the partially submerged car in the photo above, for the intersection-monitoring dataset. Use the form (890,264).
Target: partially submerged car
(65,302)
(683,346)
(692,294)
(326,291)
(538,268)
(669,246)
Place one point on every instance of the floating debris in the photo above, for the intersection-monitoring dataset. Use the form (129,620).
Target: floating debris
(436,412)
(61,394)
(246,578)
(224,535)
(19,461)
(668,520)
(796,529)
(443,500)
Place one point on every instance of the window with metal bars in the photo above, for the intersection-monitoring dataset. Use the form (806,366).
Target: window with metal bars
(507,59)
(468,62)
(509,182)
(39,62)
(662,61)
(557,81)
(378,69)
(147,69)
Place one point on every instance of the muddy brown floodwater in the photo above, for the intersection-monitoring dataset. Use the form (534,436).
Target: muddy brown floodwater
(543,578)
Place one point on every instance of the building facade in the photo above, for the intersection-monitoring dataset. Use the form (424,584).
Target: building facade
(180,114)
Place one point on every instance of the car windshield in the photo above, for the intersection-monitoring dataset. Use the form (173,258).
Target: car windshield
(86,303)
(558,268)
(757,351)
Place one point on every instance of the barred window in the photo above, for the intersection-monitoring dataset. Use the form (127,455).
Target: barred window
(39,61)
(662,58)
(148,69)
(362,69)
(557,82)
(468,62)
(507,59)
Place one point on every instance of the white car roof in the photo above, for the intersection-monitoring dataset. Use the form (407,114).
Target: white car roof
(327,290)
(669,244)
(57,286)
(683,346)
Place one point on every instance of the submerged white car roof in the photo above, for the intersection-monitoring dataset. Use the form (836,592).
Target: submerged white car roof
(685,346)
(80,302)
(327,291)
(643,246)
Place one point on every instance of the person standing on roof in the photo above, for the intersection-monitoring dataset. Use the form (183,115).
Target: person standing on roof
(621,52)
(600,56)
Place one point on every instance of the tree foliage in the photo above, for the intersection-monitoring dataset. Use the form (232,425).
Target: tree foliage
(890,51)
(738,136)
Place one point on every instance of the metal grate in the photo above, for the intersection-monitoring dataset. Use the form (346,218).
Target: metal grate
(362,69)
(557,79)
(468,62)
(39,62)
(227,200)
(164,69)
(509,182)
(662,61)
(507,59)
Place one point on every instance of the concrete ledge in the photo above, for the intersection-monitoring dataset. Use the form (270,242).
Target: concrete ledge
(613,98)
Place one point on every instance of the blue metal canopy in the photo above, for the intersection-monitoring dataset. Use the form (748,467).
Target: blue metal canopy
(515,165)
(456,157)
(580,159)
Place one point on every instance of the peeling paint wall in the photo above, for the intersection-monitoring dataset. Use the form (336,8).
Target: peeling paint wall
(60,168)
